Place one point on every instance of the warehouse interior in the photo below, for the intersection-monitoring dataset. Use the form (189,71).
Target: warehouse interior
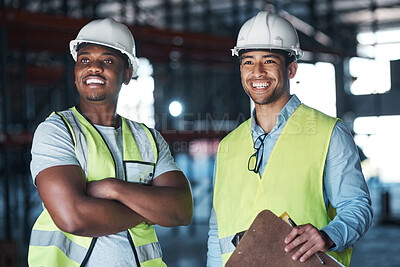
(188,87)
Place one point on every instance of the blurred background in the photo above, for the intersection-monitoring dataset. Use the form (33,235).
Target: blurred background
(188,87)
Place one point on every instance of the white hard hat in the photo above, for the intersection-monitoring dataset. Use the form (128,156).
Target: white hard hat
(110,33)
(268,31)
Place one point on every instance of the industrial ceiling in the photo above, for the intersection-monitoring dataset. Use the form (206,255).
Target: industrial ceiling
(195,34)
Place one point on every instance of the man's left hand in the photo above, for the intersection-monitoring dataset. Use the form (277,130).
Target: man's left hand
(310,240)
(101,188)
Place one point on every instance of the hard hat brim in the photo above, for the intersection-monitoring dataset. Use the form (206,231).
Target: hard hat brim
(73,45)
(296,52)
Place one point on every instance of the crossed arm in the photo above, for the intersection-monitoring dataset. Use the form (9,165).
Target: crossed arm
(110,205)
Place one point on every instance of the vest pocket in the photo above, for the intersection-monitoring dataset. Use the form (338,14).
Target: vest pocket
(139,172)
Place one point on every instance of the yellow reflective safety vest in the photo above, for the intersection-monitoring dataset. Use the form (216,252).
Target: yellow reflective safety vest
(49,246)
(292,180)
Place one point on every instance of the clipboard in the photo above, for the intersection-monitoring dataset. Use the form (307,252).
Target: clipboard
(263,245)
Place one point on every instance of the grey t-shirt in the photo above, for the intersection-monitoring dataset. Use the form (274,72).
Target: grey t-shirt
(53,146)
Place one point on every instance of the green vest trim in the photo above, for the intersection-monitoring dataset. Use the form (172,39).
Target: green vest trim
(292,180)
(50,246)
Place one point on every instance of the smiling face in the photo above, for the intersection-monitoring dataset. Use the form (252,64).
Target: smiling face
(265,77)
(99,74)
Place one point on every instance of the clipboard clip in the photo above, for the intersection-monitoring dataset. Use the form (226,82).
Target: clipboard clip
(236,239)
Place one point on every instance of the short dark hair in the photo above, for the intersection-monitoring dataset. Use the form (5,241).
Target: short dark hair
(124,57)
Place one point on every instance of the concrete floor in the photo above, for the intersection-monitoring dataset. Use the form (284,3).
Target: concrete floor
(379,247)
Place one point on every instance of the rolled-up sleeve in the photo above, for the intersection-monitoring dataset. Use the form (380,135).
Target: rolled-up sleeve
(346,190)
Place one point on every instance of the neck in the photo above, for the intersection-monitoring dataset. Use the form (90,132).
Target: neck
(267,114)
(101,115)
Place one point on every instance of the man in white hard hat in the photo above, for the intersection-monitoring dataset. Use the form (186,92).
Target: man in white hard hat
(104,180)
(286,158)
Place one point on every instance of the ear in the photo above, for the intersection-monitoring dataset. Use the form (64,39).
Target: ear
(127,75)
(292,69)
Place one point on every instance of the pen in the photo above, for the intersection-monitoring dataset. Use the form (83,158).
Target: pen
(293,224)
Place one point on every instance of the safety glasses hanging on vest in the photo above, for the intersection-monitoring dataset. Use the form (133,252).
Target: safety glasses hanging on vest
(255,160)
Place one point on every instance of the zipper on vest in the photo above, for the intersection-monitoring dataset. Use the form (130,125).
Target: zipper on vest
(89,252)
(133,248)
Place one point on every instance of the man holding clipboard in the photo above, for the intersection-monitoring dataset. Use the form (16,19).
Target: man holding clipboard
(286,157)
(262,244)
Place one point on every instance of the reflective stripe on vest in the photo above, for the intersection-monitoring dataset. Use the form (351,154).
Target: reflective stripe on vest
(78,137)
(149,252)
(72,250)
(292,180)
(51,247)
(141,135)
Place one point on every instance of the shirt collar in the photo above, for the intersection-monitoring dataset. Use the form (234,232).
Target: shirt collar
(283,116)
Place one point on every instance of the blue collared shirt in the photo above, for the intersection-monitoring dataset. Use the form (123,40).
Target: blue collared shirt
(344,185)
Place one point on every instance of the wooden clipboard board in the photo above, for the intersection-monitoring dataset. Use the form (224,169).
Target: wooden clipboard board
(263,245)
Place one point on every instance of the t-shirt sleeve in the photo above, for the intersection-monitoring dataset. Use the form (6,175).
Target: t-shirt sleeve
(52,145)
(165,161)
